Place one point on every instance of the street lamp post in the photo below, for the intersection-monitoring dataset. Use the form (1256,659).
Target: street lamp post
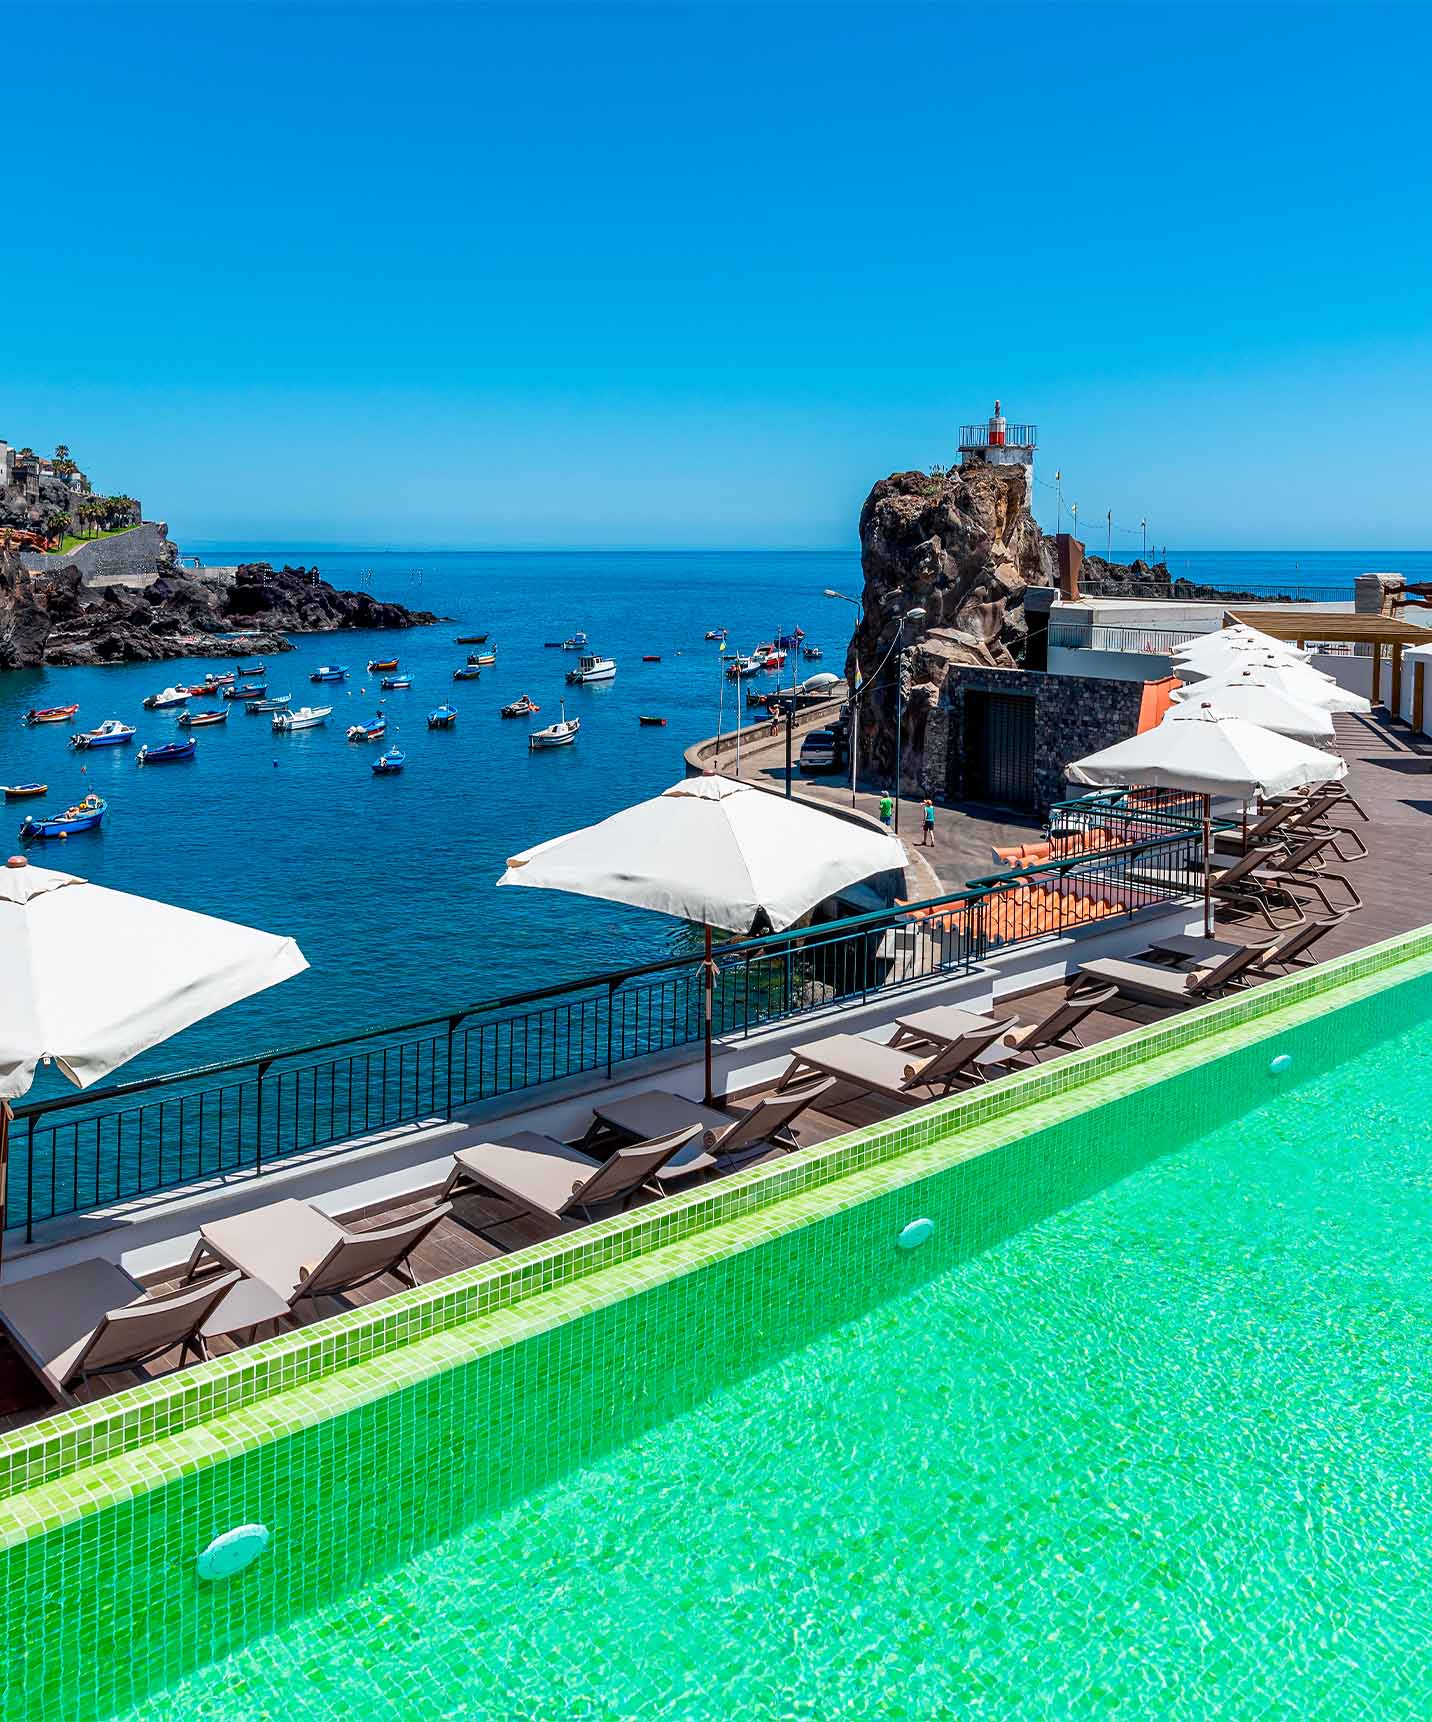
(830,592)
(915,615)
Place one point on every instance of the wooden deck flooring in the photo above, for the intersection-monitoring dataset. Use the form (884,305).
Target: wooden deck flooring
(1390,776)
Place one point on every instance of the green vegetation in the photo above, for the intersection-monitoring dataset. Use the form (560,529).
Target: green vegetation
(71,542)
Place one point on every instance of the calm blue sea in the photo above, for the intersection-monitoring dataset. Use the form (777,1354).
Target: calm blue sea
(388,883)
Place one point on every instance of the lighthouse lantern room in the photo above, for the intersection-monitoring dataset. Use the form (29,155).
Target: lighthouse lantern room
(999,443)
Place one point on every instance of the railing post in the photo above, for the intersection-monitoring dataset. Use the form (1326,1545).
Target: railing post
(611,1013)
(263,1065)
(452,1023)
(30,1182)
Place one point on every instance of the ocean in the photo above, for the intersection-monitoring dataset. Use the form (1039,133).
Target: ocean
(388,883)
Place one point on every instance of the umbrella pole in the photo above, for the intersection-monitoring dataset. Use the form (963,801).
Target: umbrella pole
(1207,867)
(709,967)
(4,1170)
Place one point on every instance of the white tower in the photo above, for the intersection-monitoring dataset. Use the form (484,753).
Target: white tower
(999,443)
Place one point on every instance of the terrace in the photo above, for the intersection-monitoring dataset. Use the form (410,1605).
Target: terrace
(368,1133)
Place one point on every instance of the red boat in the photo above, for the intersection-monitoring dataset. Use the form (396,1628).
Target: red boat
(652,658)
(52,714)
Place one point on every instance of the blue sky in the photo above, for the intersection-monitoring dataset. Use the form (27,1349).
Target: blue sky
(698,275)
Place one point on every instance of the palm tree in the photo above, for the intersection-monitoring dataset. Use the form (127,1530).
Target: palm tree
(56,526)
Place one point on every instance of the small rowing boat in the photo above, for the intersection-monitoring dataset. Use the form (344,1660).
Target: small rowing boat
(442,717)
(481,658)
(523,707)
(83,816)
(388,683)
(377,664)
(561,734)
(53,714)
(202,720)
(812,654)
(220,678)
(302,717)
(329,673)
(651,658)
(249,691)
(715,633)
(472,639)
(251,669)
(393,760)
(374,731)
(576,643)
(168,753)
(18,791)
(111,733)
(468,673)
(652,722)
(274,703)
(175,696)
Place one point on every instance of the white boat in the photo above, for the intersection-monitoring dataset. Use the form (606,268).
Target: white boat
(169,697)
(303,717)
(275,703)
(593,669)
(561,734)
(745,666)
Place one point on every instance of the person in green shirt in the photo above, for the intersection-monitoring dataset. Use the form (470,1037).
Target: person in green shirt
(887,808)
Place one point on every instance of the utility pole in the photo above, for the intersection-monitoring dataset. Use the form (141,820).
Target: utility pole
(1109,536)
(1058,502)
(790,733)
(1144,540)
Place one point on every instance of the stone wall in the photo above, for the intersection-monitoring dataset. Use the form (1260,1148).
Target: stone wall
(1073,715)
(130,558)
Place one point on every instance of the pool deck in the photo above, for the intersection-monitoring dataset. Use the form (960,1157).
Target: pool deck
(1390,776)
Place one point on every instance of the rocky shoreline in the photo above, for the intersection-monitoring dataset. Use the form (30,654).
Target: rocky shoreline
(54,618)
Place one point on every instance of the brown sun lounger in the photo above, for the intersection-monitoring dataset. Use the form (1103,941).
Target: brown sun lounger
(300,1253)
(1059,1031)
(1153,983)
(724,1135)
(93,1318)
(891,1070)
(1288,952)
(543,1176)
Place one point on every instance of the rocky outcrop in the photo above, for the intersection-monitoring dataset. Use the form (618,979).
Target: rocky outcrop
(963,547)
(1139,579)
(51,618)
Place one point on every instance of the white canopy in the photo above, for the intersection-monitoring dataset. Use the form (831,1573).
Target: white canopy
(1210,653)
(712,850)
(1301,681)
(1197,749)
(93,976)
(1245,694)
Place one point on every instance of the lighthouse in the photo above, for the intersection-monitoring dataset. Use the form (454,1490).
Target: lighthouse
(997,442)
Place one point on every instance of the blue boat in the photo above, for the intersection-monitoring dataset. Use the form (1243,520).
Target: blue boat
(330,673)
(83,816)
(393,760)
(111,733)
(249,691)
(388,683)
(468,673)
(442,717)
(374,731)
(167,753)
(251,669)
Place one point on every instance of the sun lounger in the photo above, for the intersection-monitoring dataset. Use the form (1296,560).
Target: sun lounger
(1240,886)
(301,1253)
(890,1070)
(1288,952)
(1059,1031)
(1152,983)
(939,1024)
(724,1135)
(93,1318)
(543,1176)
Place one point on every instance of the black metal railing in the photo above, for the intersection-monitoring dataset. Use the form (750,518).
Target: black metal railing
(1168,591)
(85,1151)
(1015,436)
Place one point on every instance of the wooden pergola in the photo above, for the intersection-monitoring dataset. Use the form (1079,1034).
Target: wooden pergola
(1387,635)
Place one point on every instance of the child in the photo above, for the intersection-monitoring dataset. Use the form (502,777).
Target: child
(927,836)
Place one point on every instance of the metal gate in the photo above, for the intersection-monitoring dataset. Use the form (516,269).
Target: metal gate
(999,749)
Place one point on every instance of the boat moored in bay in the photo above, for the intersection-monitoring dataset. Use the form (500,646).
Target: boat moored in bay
(52,714)
(468,673)
(374,731)
(302,717)
(202,720)
(173,696)
(376,664)
(391,683)
(20,791)
(442,717)
(83,816)
(274,703)
(248,691)
(111,733)
(592,668)
(523,707)
(560,734)
(167,753)
(330,673)
(393,760)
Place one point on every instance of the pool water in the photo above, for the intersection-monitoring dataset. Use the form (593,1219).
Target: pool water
(1162,1452)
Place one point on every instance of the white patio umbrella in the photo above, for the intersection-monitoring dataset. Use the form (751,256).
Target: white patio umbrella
(93,976)
(1247,694)
(1210,653)
(1301,681)
(1197,749)
(712,850)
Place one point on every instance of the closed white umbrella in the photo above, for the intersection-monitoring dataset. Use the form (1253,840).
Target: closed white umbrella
(1199,750)
(1246,694)
(712,850)
(94,976)
(1300,681)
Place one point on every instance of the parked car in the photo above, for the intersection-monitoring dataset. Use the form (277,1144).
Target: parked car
(819,751)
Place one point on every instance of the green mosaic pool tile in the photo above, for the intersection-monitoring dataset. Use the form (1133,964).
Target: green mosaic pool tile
(214,1390)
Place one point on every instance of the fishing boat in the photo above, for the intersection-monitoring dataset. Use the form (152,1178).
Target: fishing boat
(652,722)
(18,791)
(442,717)
(393,760)
(391,682)
(468,673)
(739,667)
(374,731)
(651,658)
(274,703)
(774,659)
(329,673)
(83,816)
(302,717)
(202,720)
(111,733)
(478,659)
(377,664)
(168,753)
(219,679)
(175,696)
(715,633)
(472,639)
(206,690)
(53,714)
(576,643)
(561,734)
(251,669)
(249,691)
(790,642)
(593,669)
(812,654)
(523,707)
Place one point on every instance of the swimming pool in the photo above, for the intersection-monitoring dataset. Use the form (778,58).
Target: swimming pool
(1140,1430)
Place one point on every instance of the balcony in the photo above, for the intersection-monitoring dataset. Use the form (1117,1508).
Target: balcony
(974,439)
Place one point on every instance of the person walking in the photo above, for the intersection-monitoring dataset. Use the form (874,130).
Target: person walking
(887,808)
(927,834)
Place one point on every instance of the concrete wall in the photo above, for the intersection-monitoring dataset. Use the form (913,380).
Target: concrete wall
(126,559)
(1109,666)
(1352,673)
(1420,657)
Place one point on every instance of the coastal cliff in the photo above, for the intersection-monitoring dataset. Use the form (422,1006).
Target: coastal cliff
(53,617)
